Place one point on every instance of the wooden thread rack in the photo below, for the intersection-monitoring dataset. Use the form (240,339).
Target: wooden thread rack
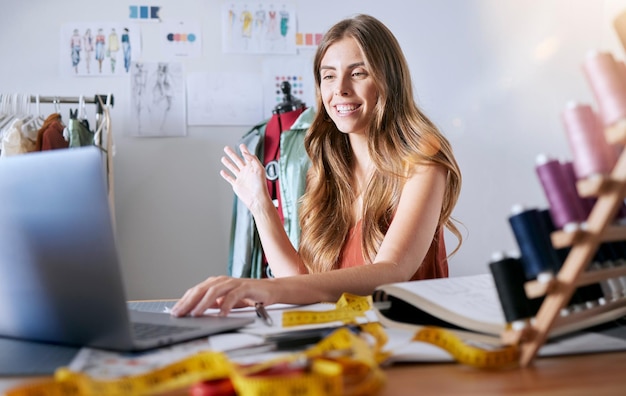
(610,192)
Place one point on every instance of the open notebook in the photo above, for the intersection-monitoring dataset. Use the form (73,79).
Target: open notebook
(60,276)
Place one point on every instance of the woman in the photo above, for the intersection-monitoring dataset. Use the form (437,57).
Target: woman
(382,185)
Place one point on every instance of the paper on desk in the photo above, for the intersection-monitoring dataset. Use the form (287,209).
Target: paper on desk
(276,313)
(105,364)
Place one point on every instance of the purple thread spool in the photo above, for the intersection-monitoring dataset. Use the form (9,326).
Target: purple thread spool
(565,205)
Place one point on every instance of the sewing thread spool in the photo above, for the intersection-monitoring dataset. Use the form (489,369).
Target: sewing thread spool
(592,155)
(537,254)
(608,84)
(563,198)
(509,278)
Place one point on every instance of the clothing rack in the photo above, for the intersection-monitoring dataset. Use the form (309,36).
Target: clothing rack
(103,139)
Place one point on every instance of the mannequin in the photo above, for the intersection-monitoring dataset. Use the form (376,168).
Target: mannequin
(289,103)
(279,137)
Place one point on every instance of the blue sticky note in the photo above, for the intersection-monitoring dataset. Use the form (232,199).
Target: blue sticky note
(154,12)
(144,12)
(133,12)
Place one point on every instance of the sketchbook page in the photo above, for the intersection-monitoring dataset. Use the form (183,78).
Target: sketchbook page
(468,301)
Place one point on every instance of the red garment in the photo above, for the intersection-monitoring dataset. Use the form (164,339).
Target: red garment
(435,264)
(52,137)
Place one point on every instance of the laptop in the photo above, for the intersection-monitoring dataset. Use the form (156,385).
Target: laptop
(60,275)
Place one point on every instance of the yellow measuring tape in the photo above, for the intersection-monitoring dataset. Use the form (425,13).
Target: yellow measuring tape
(343,363)
(467,354)
(347,309)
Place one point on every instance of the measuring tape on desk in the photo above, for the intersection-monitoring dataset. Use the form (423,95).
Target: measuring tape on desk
(346,310)
(343,363)
(349,307)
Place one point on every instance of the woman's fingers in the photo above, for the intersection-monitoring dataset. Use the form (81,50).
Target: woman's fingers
(223,292)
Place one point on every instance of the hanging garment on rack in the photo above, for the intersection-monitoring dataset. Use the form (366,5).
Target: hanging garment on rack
(279,123)
(79,132)
(246,253)
(15,141)
(50,135)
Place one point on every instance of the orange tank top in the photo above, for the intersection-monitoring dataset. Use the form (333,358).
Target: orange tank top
(435,264)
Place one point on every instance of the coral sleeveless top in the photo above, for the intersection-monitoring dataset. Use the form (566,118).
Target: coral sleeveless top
(435,264)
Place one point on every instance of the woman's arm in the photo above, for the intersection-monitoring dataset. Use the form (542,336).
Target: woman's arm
(247,177)
(403,249)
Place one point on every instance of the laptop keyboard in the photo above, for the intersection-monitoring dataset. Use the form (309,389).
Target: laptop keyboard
(145,331)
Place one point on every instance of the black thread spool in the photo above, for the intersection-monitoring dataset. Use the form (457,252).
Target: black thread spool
(606,257)
(619,250)
(581,295)
(509,277)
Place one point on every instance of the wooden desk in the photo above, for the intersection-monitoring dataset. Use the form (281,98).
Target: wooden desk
(595,374)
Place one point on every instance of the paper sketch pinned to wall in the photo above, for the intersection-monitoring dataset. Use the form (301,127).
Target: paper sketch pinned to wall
(226,98)
(180,40)
(96,49)
(259,27)
(157,99)
(296,70)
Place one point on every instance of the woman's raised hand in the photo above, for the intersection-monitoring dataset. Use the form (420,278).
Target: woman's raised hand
(246,174)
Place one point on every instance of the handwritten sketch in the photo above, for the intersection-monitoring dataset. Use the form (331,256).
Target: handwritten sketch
(157,99)
(87,44)
(253,27)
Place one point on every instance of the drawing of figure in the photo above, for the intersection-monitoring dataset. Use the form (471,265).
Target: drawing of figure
(100,41)
(284,22)
(75,45)
(139,84)
(232,18)
(246,23)
(163,90)
(126,49)
(259,23)
(88,47)
(272,25)
(114,46)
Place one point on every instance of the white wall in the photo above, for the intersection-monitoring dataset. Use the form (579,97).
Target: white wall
(494,75)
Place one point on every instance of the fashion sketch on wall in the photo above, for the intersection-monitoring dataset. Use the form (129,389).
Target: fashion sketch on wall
(259,27)
(157,99)
(98,49)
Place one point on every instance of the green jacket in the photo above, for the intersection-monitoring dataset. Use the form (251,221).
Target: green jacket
(245,258)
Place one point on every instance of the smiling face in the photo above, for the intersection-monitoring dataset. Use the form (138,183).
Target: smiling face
(347,89)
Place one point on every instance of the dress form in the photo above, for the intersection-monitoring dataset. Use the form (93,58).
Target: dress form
(283,117)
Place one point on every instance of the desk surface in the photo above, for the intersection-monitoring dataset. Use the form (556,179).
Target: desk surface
(593,374)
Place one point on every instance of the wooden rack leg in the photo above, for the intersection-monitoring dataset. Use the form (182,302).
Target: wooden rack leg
(581,254)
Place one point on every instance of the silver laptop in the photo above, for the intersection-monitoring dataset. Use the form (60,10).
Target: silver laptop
(60,276)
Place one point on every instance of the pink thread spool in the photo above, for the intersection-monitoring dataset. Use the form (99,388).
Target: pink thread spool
(591,153)
(607,79)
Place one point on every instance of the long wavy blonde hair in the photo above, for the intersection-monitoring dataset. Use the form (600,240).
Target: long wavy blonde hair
(399,137)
